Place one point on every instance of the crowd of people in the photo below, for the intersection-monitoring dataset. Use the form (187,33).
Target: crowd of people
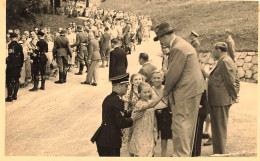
(170,103)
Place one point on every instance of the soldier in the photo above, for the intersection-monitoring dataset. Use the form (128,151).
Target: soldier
(81,43)
(14,63)
(39,62)
(194,41)
(62,51)
(108,135)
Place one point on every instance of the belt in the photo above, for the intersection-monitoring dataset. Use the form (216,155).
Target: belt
(84,44)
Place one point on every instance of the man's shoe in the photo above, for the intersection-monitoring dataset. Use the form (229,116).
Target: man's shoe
(8,99)
(208,143)
(85,82)
(59,82)
(14,97)
(42,88)
(93,84)
(205,136)
(79,73)
(33,89)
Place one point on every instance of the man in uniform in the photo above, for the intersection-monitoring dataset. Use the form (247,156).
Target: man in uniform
(14,64)
(118,60)
(62,51)
(108,136)
(81,43)
(222,93)
(185,84)
(93,61)
(194,41)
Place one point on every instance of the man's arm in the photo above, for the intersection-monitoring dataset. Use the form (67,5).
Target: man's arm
(175,67)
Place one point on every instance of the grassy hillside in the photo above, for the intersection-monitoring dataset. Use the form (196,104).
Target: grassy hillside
(209,19)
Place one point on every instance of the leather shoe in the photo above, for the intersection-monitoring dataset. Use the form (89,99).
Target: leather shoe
(79,73)
(33,89)
(205,136)
(8,99)
(59,82)
(93,84)
(208,143)
(85,82)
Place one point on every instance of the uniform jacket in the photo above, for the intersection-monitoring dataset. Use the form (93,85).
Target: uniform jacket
(81,40)
(113,120)
(105,41)
(42,49)
(147,70)
(14,61)
(184,76)
(62,47)
(118,62)
(221,86)
(93,50)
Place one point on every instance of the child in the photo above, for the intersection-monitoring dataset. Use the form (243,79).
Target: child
(142,142)
(162,112)
(130,98)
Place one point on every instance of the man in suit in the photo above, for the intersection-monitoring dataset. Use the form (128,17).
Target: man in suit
(147,68)
(81,43)
(93,61)
(108,135)
(14,64)
(105,47)
(185,84)
(222,93)
(118,60)
(62,51)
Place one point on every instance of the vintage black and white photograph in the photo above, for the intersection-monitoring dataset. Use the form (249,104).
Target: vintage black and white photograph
(130,78)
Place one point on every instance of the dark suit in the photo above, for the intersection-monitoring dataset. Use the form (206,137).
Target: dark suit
(147,70)
(185,83)
(105,46)
(221,94)
(118,62)
(108,136)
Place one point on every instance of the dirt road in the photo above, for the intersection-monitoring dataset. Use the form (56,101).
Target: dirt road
(61,120)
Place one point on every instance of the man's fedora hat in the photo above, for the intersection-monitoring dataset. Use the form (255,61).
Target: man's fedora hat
(163,29)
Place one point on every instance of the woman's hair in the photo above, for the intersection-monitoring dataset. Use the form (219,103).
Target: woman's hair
(134,75)
(142,85)
(132,86)
(157,72)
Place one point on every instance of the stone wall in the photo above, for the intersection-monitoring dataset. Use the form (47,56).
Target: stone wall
(247,65)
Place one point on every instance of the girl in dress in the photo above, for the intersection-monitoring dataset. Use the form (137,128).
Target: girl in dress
(130,99)
(142,142)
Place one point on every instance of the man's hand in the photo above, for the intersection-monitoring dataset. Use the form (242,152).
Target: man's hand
(137,115)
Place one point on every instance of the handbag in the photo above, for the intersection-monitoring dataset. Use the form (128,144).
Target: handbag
(53,64)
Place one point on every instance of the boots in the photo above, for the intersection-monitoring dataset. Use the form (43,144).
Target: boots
(16,87)
(60,81)
(43,83)
(9,93)
(35,84)
(81,66)
(65,77)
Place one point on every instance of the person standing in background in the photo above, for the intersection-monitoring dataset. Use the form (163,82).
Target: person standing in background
(195,42)
(147,67)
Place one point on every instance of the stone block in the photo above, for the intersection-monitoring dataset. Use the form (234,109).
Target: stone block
(248,74)
(243,55)
(240,62)
(250,80)
(251,53)
(254,69)
(255,59)
(255,76)
(247,66)
(241,72)
(248,59)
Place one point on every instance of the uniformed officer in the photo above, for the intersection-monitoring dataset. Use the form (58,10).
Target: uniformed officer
(81,43)
(194,41)
(14,64)
(108,136)
(62,51)
(39,62)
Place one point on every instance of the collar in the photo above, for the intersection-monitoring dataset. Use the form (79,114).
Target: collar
(172,42)
(145,63)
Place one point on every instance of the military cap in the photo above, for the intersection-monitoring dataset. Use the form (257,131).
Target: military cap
(123,78)
(12,35)
(162,29)
(194,33)
(63,32)
(40,33)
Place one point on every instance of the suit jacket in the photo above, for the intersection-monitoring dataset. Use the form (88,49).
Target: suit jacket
(147,70)
(105,41)
(93,50)
(118,62)
(61,47)
(184,76)
(222,86)
(113,120)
